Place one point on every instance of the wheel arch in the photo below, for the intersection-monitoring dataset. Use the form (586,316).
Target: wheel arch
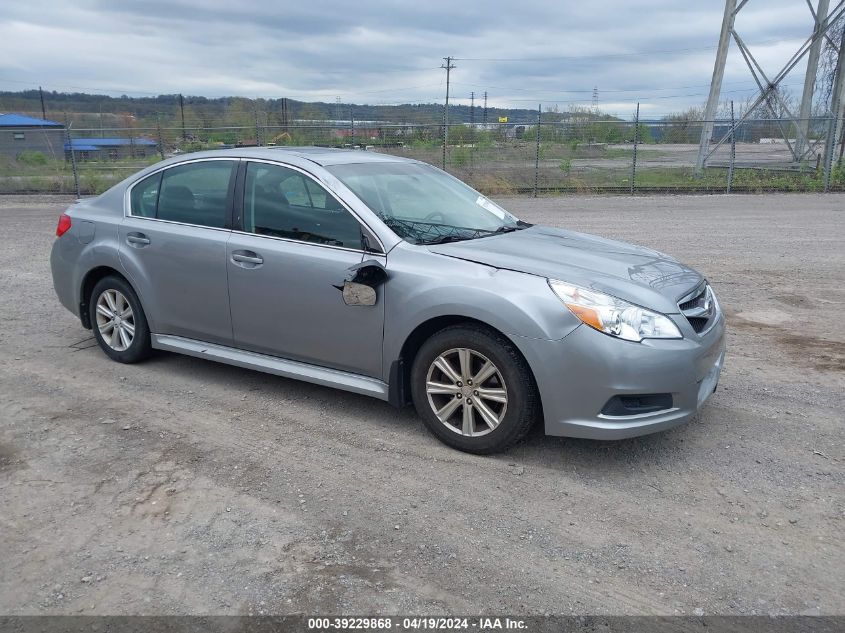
(92,277)
(399,380)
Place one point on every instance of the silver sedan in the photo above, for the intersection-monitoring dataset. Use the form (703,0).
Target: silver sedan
(388,277)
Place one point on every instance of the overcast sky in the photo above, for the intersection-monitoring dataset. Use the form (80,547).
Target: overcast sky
(659,52)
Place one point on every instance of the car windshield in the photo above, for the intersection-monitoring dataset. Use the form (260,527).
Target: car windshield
(424,205)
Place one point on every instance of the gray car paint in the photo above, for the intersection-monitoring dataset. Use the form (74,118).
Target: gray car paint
(182,277)
(634,273)
(290,304)
(499,280)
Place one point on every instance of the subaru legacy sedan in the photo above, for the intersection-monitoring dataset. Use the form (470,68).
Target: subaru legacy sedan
(388,277)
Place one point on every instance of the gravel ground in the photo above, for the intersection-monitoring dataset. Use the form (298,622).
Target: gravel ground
(183,486)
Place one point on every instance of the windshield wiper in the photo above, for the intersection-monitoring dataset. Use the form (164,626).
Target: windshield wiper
(436,233)
(508,228)
(444,239)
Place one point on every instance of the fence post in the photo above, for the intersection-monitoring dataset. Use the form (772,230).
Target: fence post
(445,134)
(72,157)
(182,112)
(733,150)
(828,153)
(160,140)
(537,150)
(636,141)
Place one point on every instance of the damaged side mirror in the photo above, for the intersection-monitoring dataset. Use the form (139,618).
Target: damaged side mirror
(359,287)
(355,294)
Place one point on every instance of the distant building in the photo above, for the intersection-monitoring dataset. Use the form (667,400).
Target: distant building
(97,148)
(21,133)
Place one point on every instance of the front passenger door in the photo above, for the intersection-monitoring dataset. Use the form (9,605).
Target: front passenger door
(295,245)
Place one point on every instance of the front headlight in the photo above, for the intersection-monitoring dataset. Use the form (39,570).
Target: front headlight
(614,316)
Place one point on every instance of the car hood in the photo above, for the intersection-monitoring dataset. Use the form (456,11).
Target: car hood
(633,273)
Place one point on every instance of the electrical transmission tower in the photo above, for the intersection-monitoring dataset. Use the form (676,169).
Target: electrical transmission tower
(595,99)
(769,93)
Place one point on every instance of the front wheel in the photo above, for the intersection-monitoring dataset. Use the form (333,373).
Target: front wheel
(474,390)
(119,323)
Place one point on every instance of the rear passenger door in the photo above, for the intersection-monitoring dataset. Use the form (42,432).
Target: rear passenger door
(173,247)
(292,246)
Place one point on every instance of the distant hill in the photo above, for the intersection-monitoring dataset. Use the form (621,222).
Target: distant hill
(94,111)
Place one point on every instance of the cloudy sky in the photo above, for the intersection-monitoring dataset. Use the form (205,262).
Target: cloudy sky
(659,52)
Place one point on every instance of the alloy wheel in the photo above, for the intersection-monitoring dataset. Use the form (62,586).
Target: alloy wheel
(466,392)
(115,320)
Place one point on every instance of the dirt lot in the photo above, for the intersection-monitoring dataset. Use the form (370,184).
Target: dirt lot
(184,486)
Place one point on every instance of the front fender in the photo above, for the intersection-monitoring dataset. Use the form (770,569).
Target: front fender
(424,286)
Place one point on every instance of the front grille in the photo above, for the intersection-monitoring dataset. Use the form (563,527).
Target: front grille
(688,305)
(699,308)
(698,323)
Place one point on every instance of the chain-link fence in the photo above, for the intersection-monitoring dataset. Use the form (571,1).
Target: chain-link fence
(534,157)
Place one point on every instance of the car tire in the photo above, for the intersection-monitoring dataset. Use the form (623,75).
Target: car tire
(118,321)
(486,417)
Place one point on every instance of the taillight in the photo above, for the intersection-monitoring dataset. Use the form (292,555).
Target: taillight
(64,225)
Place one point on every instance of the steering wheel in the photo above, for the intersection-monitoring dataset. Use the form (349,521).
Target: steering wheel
(434,214)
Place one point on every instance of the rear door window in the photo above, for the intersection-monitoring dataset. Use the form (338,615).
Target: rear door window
(144,197)
(196,193)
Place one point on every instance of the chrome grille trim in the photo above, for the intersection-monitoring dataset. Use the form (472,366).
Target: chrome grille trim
(700,308)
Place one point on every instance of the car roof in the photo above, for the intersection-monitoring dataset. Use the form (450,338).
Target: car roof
(322,156)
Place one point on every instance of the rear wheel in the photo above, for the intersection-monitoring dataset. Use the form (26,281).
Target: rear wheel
(473,389)
(119,323)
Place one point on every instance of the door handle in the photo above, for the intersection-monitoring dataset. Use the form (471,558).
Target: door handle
(137,239)
(247,257)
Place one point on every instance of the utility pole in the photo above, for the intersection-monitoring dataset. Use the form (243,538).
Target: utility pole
(43,109)
(484,116)
(182,110)
(716,84)
(448,66)
(806,110)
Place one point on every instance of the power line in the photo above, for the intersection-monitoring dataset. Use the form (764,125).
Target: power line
(602,56)
(579,57)
(638,90)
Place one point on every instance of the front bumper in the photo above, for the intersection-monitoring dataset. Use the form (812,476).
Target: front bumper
(579,374)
